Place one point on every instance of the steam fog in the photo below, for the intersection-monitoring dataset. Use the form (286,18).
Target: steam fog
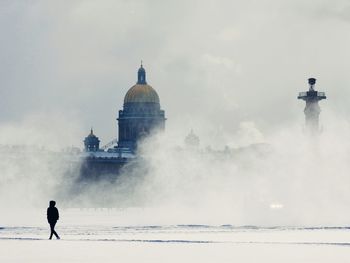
(229,70)
(284,178)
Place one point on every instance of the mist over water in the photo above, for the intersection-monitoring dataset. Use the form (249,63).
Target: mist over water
(284,178)
(291,179)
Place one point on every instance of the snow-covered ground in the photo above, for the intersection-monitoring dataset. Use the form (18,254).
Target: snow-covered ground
(105,236)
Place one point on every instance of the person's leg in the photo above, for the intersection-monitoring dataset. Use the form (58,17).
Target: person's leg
(53,230)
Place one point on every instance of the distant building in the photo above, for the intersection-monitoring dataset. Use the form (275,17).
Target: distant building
(91,142)
(312,109)
(141,115)
(192,140)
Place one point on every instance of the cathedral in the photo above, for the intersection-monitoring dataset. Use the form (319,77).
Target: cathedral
(141,113)
(140,116)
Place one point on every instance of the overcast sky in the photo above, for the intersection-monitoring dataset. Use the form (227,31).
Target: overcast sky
(214,64)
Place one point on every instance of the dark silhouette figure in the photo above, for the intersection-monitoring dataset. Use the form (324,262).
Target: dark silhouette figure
(52,217)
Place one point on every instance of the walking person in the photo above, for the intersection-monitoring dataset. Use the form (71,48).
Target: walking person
(52,217)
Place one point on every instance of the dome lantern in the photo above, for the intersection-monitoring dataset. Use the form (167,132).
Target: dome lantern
(141,76)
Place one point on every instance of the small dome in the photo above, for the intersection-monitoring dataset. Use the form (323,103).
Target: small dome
(91,142)
(91,135)
(141,93)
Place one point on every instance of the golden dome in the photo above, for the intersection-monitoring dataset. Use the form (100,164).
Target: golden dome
(141,93)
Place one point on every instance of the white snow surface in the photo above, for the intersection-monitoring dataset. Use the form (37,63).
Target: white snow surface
(115,235)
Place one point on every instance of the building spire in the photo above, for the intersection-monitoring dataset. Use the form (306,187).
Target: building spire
(141,75)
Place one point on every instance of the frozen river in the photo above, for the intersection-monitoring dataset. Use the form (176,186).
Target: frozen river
(105,236)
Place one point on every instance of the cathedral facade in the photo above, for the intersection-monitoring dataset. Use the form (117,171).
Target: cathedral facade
(141,115)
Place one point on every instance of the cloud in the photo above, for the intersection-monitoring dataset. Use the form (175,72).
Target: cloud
(222,62)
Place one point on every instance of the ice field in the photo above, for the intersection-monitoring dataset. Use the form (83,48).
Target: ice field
(105,236)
